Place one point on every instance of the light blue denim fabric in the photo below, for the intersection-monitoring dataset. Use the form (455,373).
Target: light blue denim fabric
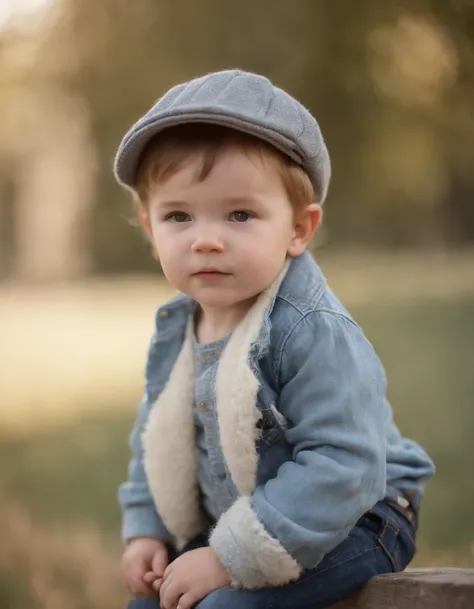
(329,450)
(217,490)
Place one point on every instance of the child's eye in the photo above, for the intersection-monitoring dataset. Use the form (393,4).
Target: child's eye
(240,216)
(178,217)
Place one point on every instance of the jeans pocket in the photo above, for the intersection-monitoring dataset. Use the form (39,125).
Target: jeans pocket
(394,538)
(404,550)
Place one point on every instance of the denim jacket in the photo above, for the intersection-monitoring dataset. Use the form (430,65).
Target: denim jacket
(306,433)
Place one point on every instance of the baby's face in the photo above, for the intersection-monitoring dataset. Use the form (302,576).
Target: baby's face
(225,239)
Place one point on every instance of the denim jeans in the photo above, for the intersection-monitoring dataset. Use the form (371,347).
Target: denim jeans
(381,542)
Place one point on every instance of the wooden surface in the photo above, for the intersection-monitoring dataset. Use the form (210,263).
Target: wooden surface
(416,589)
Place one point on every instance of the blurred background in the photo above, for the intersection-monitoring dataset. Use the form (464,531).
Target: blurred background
(392,85)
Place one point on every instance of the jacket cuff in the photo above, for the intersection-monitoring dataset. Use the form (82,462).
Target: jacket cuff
(250,555)
(143,521)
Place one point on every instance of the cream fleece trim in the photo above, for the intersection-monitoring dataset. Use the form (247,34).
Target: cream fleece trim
(169,437)
(236,394)
(168,444)
(251,556)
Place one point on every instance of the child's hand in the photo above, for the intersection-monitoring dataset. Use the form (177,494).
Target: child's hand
(191,577)
(144,560)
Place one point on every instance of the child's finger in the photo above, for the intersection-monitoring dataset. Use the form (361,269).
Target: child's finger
(138,588)
(159,564)
(133,581)
(156,585)
(149,577)
(186,601)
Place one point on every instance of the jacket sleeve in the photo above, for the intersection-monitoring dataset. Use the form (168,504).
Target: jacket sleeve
(140,517)
(332,390)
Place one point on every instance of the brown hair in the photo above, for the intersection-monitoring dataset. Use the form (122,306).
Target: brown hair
(166,154)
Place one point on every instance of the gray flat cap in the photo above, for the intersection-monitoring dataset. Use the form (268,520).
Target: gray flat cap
(239,100)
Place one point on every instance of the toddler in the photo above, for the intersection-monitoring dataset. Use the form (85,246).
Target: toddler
(266,470)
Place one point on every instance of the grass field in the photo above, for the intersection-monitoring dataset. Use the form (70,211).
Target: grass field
(74,356)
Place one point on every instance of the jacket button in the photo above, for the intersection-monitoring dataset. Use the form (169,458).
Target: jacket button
(203,405)
(222,476)
(163,314)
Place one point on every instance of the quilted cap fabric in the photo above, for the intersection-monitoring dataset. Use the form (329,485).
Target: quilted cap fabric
(238,100)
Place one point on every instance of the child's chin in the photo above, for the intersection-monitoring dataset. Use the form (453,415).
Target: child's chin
(207,300)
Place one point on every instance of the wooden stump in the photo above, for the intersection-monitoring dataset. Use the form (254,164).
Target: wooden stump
(416,589)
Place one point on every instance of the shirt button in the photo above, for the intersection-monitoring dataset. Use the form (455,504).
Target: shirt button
(203,405)
(163,314)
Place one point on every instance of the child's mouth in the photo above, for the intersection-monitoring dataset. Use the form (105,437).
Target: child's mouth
(210,274)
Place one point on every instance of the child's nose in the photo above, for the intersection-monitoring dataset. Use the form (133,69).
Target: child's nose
(207,243)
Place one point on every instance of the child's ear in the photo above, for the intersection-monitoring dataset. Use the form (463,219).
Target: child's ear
(144,219)
(306,224)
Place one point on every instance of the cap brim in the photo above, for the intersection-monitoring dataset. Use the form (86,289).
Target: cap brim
(135,141)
